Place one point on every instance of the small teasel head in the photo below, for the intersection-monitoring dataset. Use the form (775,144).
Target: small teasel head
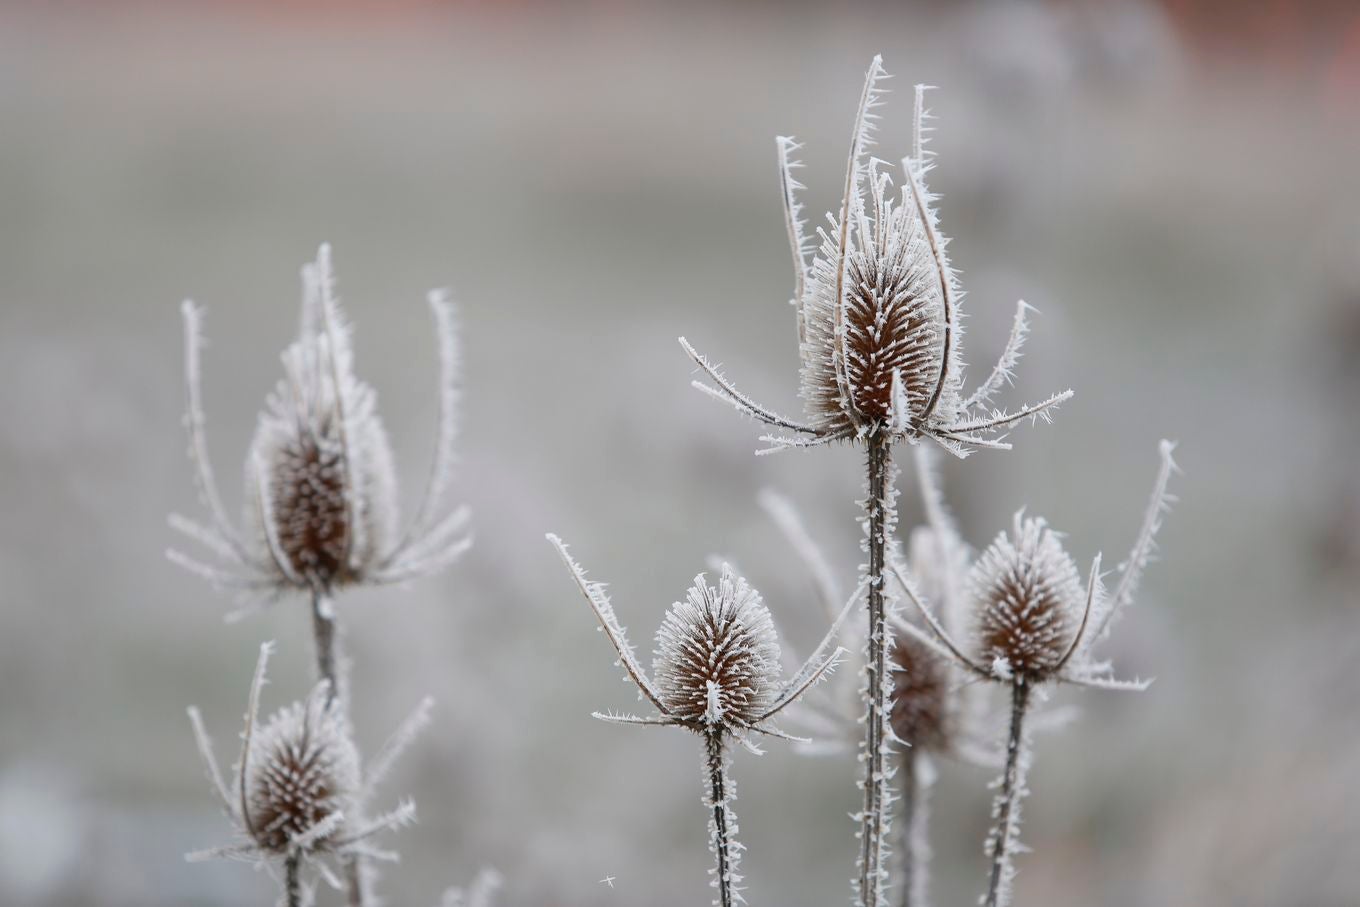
(1029,599)
(716,666)
(920,706)
(1034,620)
(300,776)
(297,790)
(321,490)
(717,658)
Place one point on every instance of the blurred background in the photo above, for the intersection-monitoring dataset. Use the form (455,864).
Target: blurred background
(1172,184)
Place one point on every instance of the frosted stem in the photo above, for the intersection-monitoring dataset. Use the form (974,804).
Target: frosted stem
(326,632)
(913,846)
(873,846)
(1008,803)
(723,843)
(292,880)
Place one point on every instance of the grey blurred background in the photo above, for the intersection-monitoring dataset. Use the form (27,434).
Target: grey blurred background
(1173,185)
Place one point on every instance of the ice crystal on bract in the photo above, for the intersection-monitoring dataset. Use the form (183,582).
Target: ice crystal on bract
(321,491)
(298,792)
(878,311)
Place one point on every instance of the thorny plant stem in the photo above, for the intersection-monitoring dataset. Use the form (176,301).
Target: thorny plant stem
(1003,835)
(292,880)
(873,849)
(722,843)
(327,661)
(910,792)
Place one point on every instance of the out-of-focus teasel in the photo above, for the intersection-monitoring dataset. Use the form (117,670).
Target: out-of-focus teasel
(879,336)
(321,509)
(298,796)
(717,673)
(1035,623)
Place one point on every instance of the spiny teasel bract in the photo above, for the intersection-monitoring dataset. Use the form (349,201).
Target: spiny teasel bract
(298,792)
(878,312)
(716,672)
(321,491)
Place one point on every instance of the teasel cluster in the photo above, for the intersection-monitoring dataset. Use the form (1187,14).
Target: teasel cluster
(321,515)
(717,673)
(879,335)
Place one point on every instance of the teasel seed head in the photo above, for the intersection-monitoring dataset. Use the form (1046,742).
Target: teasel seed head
(297,791)
(321,490)
(920,706)
(301,775)
(877,303)
(717,662)
(717,658)
(1030,600)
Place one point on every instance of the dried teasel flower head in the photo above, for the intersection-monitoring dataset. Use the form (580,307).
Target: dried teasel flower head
(298,790)
(920,702)
(1035,619)
(321,492)
(301,776)
(717,658)
(716,665)
(1030,600)
(878,316)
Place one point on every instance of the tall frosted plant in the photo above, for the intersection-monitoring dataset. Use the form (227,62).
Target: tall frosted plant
(321,510)
(717,674)
(1035,623)
(877,306)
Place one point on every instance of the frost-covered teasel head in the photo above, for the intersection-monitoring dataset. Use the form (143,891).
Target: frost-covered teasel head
(298,791)
(877,307)
(716,665)
(320,489)
(1034,617)
(717,658)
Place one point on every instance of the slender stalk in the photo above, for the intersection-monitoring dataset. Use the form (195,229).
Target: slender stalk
(723,843)
(1002,840)
(914,791)
(874,819)
(326,632)
(292,880)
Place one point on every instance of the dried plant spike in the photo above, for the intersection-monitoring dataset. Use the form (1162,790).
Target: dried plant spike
(717,673)
(321,488)
(717,659)
(1036,623)
(298,796)
(877,310)
(1029,597)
